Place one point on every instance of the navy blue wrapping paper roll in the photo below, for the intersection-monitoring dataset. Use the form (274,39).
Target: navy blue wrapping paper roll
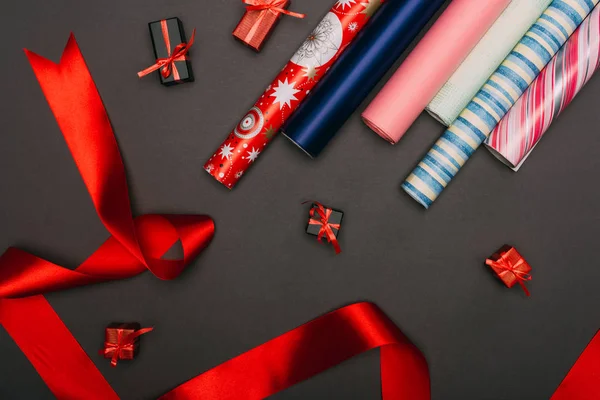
(358,70)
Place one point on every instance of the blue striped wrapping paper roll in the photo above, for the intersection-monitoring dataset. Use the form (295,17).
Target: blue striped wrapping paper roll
(496,97)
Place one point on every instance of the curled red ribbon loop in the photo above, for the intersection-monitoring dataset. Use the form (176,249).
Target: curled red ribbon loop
(135,245)
(167,65)
(113,350)
(275,6)
(326,230)
(511,267)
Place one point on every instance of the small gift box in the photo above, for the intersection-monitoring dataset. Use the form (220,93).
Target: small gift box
(325,223)
(510,267)
(170,50)
(121,341)
(259,20)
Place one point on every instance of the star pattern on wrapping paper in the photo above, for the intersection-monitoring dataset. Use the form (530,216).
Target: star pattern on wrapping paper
(370,7)
(310,72)
(226,151)
(270,132)
(343,3)
(284,93)
(252,155)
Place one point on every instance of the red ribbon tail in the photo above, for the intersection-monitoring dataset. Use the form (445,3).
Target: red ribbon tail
(115,358)
(336,246)
(524,288)
(149,70)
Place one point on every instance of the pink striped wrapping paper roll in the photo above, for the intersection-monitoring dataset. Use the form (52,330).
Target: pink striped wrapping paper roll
(441,51)
(572,67)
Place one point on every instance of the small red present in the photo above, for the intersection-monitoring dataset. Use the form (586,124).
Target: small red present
(121,341)
(260,19)
(510,267)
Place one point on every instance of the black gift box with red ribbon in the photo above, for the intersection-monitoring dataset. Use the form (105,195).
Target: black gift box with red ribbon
(335,218)
(166,35)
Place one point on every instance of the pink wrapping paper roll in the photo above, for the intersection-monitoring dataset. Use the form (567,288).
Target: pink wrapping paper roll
(449,41)
(572,67)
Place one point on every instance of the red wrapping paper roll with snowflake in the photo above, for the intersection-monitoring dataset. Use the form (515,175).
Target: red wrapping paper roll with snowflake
(302,73)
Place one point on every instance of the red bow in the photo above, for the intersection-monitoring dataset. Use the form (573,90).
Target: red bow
(275,6)
(326,230)
(167,65)
(123,344)
(511,267)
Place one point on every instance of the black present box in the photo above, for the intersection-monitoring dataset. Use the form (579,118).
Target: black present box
(166,35)
(335,218)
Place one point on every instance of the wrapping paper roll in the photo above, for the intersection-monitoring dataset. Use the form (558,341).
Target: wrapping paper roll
(553,90)
(429,66)
(481,63)
(495,98)
(347,84)
(300,75)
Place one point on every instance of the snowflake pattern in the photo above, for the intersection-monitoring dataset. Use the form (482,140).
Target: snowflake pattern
(319,42)
(352,26)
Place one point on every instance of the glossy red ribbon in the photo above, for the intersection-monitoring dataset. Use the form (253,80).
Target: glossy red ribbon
(123,344)
(583,380)
(134,246)
(311,349)
(510,267)
(167,65)
(275,6)
(326,227)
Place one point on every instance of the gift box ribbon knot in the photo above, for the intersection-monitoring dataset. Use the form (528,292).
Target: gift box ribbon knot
(167,65)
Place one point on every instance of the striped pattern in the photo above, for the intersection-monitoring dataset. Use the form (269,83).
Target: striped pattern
(552,91)
(496,97)
(481,63)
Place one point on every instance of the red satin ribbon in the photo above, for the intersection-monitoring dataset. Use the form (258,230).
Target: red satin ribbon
(326,227)
(311,349)
(275,6)
(134,245)
(123,344)
(583,380)
(511,267)
(167,65)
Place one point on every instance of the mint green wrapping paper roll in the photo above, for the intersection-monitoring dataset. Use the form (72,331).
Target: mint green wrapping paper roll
(496,97)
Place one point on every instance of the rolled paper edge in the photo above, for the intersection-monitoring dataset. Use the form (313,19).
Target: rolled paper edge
(500,157)
(377,129)
(217,179)
(416,195)
(429,66)
(438,117)
(312,156)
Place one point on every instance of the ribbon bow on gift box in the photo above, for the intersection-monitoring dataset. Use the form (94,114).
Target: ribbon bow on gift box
(275,6)
(261,25)
(510,267)
(124,345)
(326,230)
(167,65)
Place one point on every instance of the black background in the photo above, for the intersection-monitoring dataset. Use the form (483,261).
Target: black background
(263,275)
